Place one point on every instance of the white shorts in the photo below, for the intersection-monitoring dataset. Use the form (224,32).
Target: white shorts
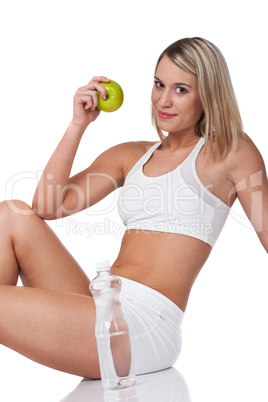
(154,323)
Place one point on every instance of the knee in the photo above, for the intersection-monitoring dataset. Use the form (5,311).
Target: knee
(14,208)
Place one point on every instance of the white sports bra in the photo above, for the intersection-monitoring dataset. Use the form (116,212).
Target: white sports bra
(175,202)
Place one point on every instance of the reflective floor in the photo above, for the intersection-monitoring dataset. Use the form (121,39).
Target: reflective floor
(163,386)
(233,375)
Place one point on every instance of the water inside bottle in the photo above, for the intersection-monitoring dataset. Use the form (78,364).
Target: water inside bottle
(111,331)
(113,378)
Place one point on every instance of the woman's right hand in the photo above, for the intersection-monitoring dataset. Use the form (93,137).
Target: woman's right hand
(86,100)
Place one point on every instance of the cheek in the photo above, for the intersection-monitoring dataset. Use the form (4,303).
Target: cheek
(198,104)
(154,97)
(197,109)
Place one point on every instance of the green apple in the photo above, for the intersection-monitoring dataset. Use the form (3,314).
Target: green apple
(114,99)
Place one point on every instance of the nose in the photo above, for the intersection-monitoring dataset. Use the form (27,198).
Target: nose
(165,100)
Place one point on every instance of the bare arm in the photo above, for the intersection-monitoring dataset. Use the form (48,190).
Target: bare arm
(250,179)
(57,194)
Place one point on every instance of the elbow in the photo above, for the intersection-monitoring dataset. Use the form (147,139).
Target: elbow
(35,207)
(42,210)
(38,210)
(265,245)
(263,237)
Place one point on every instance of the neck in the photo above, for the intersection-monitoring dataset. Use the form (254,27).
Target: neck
(175,141)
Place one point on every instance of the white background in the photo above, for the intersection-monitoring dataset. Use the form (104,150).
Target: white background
(48,50)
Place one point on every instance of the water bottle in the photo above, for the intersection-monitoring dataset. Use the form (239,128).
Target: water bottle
(111,330)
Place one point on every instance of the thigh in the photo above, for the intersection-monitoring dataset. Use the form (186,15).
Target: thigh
(43,260)
(53,328)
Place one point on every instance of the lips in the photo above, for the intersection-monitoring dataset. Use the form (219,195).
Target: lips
(164,115)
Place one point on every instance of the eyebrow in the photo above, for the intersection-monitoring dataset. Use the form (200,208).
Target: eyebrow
(176,83)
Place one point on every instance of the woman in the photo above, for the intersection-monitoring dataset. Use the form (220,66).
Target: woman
(176,195)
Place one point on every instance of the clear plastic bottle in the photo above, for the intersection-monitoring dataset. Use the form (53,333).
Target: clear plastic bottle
(111,330)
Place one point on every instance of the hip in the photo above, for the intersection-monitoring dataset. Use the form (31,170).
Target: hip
(154,323)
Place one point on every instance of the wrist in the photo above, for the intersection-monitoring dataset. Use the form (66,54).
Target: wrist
(78,127)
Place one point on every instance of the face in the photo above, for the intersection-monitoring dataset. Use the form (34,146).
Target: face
(175,98)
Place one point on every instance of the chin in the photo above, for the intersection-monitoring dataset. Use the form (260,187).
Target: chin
(166,126)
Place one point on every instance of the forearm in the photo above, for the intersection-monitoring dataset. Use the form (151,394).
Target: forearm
(52,185)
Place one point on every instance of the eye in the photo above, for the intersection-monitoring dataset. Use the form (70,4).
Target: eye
(180,90)
(159,84)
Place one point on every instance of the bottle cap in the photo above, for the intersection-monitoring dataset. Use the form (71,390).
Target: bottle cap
(103,266)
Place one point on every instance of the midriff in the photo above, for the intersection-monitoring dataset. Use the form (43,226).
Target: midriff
(166,262)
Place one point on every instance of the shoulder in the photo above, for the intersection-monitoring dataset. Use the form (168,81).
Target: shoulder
(126,154)
(139,147)
(127,149)
(246,147)
(245,160)
(131,152)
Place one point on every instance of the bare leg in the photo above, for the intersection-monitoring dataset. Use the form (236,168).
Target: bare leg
(50,327)
(52,320)
(29,247)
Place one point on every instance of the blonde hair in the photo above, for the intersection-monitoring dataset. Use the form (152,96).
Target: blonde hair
(220,122)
